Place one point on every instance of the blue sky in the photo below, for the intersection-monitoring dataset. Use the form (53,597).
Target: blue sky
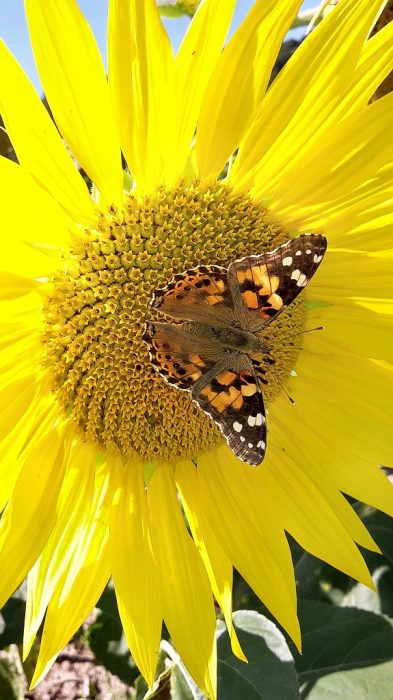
(14,31)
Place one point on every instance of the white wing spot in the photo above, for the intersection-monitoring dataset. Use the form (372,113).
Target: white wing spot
(287,261)
(238,427)
(250,445)
(259,419)
(261,444)
(318,258)
(251,420)
(302,280)
(295,275)
(242,438)
(308,251)
(299,252)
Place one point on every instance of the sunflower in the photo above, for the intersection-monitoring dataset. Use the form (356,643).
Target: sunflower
(105,469)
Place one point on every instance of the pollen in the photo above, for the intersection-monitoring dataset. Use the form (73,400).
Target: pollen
(98,303)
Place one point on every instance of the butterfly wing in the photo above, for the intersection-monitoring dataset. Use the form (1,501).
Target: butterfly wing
(233,399)
(175,354)
(264,285)
(200,294)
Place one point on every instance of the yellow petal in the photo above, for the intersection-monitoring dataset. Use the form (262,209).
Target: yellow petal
(12,286)
(315,464)
(37,142)
(351,153)
(358,331)
(74,81)
(234,497)
(28,261)
(83,579)
(22,405)
(19,360)
(195,61)
(217,564)
(75,496)
(375,63)
(361,219)
(364,428)
(30,514)
(141,80)
(188,601)
(340,452)
(239,81)
(138,595)
(291,120)
(349,273)
(307,511)
(29,214)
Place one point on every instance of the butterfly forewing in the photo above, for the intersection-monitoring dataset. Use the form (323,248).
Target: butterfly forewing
(200,294)
(266,284)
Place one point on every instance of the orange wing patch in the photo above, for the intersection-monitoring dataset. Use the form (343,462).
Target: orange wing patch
(201,285)
(250,299)
(275,301)
(226,377)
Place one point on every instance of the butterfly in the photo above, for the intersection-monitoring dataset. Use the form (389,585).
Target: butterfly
(217,352)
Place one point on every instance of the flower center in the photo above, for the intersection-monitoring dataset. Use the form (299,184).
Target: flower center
(98,305)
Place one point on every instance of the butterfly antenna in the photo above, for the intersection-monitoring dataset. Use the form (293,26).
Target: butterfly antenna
(308,330)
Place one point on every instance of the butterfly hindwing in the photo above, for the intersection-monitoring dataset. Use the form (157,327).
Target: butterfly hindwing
(266,284)
(169,353)
(234,400)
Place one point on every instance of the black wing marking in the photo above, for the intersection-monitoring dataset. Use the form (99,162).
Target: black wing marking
(266,284)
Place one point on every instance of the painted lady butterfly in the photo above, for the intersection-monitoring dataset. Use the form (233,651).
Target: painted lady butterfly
(217,353)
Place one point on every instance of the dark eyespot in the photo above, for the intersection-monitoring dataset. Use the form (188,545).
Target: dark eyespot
(187,288)
(182,371)
(176,365)
(206,282)
(168,357)
(198,284)
(179,297)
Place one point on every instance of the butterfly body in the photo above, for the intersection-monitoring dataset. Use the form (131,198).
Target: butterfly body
(215,353)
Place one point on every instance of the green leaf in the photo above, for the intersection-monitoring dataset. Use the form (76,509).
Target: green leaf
(182,689)
(140,687)
(380,527)
(176,8)
(340,639)
(270,673)
(384,583)
(162,687)
(11,620)
(374,683)
(10,681)
(182,685)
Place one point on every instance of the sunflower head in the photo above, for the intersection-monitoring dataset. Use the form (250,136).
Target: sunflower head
(98,303)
